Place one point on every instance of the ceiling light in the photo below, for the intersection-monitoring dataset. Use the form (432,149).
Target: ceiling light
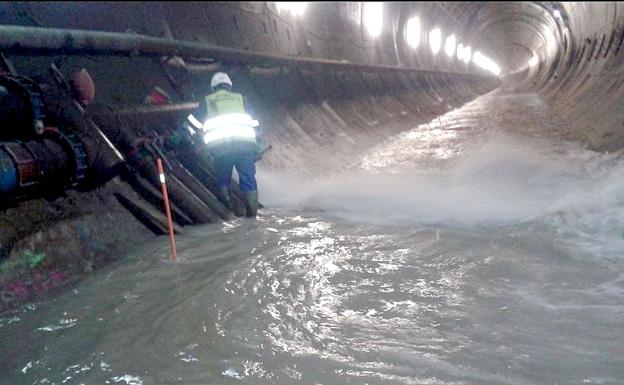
(412,32)
(435,39)
(449,47)
(295,8)
(373,18)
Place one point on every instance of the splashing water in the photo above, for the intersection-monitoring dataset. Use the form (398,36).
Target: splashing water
(452,257)
(500,181)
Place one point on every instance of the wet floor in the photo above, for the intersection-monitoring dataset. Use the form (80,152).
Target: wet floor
(470,250)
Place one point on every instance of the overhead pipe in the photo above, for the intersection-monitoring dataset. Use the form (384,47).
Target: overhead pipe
(150,110)
(191,67)
(29,40)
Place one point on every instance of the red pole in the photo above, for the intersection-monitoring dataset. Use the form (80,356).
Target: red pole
(161,174)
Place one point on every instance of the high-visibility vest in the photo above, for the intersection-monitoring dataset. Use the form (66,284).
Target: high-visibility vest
(224,102)
(228,122)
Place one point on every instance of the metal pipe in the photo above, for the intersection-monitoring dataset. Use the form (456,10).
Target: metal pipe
(29,40)
(8,173)
(201,68)
(153,196)
(149,110)
(25,166)
(179,194)
(204,194)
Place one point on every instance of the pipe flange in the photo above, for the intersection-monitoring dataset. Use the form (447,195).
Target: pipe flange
(81,160)
(74,146)
(25,162)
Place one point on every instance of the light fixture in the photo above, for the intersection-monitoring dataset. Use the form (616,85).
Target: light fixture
(412,32)
(482,61)
(294,8)
(533,60)
(467,55)
(435,40)
(449,47)
(373,18)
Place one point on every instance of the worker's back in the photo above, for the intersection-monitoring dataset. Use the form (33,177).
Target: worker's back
(224,102)
(232,131)
(229,135)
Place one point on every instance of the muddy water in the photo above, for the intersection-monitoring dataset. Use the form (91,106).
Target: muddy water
(467,251)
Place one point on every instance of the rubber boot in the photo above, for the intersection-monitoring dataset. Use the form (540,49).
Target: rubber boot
(226,199)
(251,203)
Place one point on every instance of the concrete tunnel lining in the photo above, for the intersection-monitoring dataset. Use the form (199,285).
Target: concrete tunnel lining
(318,116)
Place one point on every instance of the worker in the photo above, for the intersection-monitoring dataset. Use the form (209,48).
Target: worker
(228,134)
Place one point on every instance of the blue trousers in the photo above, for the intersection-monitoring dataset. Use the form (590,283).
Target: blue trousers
(245,163)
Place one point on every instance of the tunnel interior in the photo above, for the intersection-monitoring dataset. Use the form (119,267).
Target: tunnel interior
(328,82)
(93,93)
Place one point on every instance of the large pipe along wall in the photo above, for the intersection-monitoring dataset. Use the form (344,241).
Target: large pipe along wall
(323,89)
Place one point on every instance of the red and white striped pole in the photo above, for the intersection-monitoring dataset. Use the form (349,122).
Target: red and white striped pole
(161,175)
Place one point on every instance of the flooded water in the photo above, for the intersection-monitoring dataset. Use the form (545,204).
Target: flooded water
(467,251)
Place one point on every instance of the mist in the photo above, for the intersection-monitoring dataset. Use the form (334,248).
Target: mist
(498,180)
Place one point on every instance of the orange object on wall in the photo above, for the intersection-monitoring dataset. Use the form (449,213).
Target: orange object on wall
(84,86)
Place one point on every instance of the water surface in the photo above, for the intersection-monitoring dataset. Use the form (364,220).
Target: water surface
(457,253)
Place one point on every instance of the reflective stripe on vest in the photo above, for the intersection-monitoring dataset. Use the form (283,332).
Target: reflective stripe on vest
(230,127)
(230,122)
(194,121)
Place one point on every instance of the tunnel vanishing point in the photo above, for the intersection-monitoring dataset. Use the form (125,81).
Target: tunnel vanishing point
(92,91)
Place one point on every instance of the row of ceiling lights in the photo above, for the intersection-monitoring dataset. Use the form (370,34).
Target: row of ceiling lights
(373,21)
(464,53)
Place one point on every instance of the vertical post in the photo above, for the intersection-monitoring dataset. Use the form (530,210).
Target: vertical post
(161,174)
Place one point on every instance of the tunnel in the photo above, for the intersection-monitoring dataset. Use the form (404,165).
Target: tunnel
(440,189)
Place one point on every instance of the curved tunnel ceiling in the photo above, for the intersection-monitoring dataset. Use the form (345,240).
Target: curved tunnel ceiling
(320,116)
(570,53)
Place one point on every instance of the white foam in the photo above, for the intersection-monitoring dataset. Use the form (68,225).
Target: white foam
(503,181)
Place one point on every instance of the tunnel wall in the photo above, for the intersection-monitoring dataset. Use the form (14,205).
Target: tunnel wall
(326,30)
(580,72)
(317,120)
(318,128)
(579,44)
(312,119)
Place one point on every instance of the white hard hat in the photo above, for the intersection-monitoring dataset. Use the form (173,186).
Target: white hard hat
(220,78)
